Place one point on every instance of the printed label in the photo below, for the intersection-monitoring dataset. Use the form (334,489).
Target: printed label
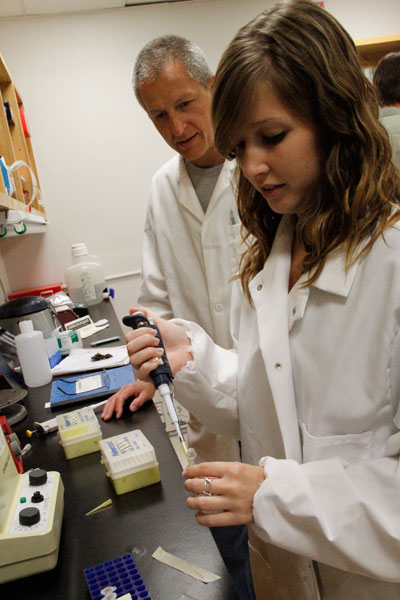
(89,293)
(88,384)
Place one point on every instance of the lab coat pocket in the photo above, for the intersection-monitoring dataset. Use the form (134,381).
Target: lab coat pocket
(351,447)
(234,239)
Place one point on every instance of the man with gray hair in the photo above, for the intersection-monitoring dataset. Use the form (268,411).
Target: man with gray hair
(191,239)
(387,84)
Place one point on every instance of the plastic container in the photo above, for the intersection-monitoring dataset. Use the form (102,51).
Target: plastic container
(79,432)
(66,340)
(32,355)
(130,461)
(41,290)
(85,278)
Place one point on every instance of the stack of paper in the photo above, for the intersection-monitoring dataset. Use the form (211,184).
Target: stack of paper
(80,359)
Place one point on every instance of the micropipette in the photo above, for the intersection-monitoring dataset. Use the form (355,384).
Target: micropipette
(161,376)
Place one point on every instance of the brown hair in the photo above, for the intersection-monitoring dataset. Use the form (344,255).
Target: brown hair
(387,79)
(311,63)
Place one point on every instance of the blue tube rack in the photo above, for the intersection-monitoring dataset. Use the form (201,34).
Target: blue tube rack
(121,573)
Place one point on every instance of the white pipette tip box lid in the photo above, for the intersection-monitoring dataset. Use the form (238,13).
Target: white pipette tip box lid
(130,461)
(79,432)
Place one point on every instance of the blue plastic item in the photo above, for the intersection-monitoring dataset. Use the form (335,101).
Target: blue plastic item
(120,573)
(4,172)
(63,390)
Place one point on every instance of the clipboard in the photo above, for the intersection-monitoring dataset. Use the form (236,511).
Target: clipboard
(105,382)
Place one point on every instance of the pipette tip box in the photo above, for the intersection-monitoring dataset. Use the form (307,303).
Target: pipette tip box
(79,432)
(130,461)
(119,574)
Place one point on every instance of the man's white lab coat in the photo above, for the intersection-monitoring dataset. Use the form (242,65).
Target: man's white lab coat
(188,259)
(313,393)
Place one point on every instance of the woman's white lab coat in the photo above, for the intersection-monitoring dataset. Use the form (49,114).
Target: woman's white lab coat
(188,259)
(313,393)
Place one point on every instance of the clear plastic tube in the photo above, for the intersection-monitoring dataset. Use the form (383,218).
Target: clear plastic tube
(191,456)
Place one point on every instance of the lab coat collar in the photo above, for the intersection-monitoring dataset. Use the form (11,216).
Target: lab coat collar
(226,178)
(335,278)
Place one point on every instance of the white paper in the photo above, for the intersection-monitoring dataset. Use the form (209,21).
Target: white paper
(79,360)
(183,565)
(89,330)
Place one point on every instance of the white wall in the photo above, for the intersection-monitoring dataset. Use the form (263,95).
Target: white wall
(95,148)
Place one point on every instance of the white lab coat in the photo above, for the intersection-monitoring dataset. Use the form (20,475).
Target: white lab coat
(313,393)
(188,259)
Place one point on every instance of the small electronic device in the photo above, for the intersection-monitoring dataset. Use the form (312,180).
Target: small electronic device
(14,444)
(31,510)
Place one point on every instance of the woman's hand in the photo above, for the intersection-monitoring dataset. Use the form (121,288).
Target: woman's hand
(232,486)
(143,350)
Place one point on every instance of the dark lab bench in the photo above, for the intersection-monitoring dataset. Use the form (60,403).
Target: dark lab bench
(136,522)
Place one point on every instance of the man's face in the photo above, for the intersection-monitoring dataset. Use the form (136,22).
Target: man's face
(180,108)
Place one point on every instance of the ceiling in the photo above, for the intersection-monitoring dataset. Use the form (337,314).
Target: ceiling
(21,8)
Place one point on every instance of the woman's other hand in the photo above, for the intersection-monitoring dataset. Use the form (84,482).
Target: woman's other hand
(223,492)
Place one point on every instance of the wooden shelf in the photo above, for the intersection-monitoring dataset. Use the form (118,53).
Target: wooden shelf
(10,203)
(16,146)
(371,50)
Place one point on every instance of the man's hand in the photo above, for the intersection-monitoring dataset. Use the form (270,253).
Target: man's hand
(142,391)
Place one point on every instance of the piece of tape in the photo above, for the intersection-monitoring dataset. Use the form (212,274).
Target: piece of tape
(184,566)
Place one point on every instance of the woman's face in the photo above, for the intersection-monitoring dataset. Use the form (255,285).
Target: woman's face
(278,153)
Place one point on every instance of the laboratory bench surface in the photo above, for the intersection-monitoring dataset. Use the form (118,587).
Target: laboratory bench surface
(137,522)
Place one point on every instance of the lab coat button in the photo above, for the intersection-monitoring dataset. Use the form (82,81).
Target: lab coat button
(278,366)
(259,287)
(219,307)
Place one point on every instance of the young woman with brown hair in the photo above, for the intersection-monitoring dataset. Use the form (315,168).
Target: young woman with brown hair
(312,387)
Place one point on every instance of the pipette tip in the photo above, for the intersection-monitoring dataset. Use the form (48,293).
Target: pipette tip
(184,446)
(102,505)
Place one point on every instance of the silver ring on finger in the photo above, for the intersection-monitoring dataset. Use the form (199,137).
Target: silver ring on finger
(207,487)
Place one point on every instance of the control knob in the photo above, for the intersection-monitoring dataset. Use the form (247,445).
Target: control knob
(29,516)
(37,477)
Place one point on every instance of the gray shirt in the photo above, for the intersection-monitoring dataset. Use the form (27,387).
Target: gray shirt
(389,116)
(203,180)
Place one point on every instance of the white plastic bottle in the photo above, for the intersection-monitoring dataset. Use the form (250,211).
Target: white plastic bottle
(32,355)
(85,278)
